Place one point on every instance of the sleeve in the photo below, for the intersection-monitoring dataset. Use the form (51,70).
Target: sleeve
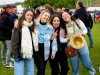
(54,46)
(15,42)
(62,39)
(83,27)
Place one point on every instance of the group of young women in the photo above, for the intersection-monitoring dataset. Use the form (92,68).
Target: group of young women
(45,38)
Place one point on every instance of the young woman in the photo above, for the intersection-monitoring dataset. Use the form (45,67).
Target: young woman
(83,53)
(60,57)
(24,43)
(45,31)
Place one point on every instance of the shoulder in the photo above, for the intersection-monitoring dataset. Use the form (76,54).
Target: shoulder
(79,22)
(16,30)
(36,22)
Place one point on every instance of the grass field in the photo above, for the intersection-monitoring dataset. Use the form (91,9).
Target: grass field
(94,55)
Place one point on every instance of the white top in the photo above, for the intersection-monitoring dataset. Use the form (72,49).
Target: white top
(70,30)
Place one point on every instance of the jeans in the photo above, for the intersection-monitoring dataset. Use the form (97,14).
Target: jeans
(83,54)
(90,36)
(20,66)
(6,45)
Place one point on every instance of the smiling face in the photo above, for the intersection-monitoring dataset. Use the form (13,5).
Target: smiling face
(45,17)
(29,16)
(66,17)
(56,22)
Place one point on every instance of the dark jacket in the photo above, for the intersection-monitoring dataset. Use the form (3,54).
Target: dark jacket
(82,15)
(16,43)
(5,26)
(13,17)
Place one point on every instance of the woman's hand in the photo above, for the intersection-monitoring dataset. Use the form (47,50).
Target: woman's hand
(63,33)
(16,24)
(52,56)
(54,35)
(68,38)
(81,33)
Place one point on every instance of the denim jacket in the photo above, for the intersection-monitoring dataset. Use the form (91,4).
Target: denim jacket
(47,36)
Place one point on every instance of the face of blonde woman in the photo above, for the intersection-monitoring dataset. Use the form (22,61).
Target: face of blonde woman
(66,17)
(56,22)
(45,17)
(29,16)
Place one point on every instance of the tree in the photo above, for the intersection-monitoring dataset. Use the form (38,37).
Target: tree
(54,3)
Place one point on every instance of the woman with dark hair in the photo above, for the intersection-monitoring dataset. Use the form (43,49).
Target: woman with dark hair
(72,27)
(24,44)
(60,57)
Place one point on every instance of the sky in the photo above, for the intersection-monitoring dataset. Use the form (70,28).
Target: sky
(10,1)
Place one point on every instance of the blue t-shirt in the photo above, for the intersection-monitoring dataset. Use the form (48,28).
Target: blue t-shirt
(41,34)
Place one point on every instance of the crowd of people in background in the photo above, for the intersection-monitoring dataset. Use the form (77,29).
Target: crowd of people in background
(38,36)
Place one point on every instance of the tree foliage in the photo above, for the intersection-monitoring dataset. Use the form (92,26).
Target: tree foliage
(54,3)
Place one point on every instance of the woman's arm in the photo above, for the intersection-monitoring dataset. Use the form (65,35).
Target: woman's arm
(62,38)
(83,27)
(15,42)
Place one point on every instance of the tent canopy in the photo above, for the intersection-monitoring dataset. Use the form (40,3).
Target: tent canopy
(93,8)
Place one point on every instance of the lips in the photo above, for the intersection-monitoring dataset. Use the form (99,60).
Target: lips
(56,24)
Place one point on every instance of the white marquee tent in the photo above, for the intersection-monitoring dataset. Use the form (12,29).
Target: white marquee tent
(93,8)
(20,9)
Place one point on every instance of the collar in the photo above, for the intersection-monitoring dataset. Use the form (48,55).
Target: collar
(70,25)
(38,24)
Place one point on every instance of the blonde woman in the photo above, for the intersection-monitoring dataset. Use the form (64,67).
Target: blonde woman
(45,31)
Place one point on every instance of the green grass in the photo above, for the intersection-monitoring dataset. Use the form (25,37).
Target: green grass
(94,55)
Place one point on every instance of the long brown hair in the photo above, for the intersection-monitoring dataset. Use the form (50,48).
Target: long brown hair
(22,18)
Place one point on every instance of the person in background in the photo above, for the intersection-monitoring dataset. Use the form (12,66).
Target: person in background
(89,26)
(49,8)
(58,10)
(14,16)
(5,35)
(2,9)
(36,10)
(63,9)
(72,27)
(24,44)
(80,12)
(60,57)
(94,15)
(45,31)
(97,16)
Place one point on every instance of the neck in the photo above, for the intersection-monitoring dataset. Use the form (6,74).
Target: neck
(42,23)
(69,22)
